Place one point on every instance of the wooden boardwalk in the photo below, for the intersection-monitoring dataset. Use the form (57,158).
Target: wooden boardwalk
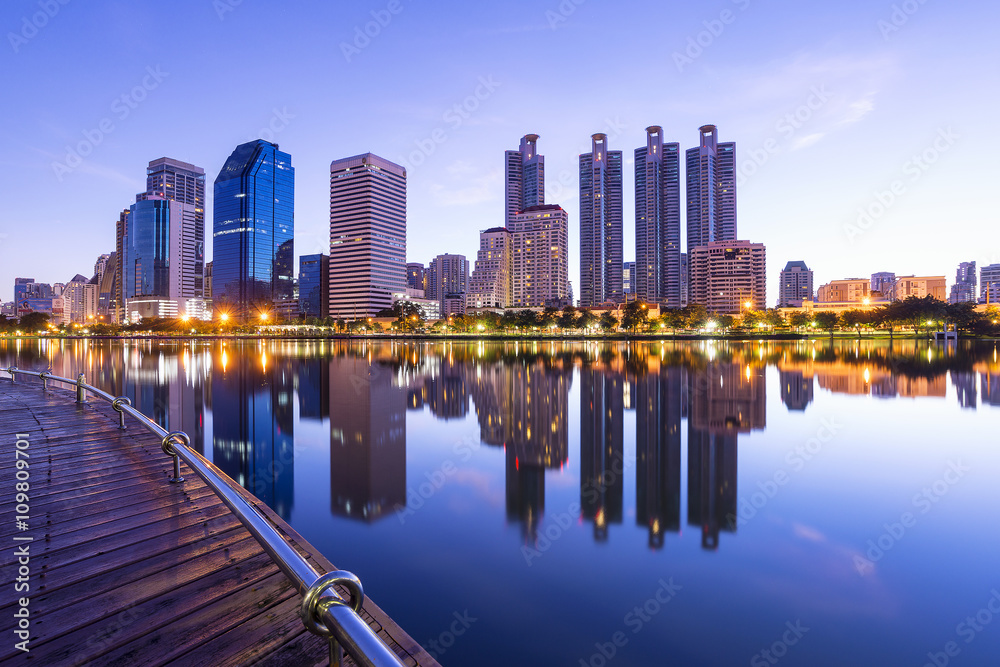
(128,569)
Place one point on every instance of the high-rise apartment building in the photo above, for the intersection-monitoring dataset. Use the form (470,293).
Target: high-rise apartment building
(540,264)
(447,274)
(524,176)
(600,224)
(314,285)
(253,231)
(989,284)
(367,235)
(964,288)
(628,278)
(883,282)
(727,275)
(711,190)
(795,285)
(117,308)
(490,285)
(657,278)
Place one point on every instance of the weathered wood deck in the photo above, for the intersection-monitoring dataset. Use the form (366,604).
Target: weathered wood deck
(128,569)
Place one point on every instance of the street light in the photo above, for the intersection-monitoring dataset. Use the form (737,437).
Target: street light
(224,317)
(263,317)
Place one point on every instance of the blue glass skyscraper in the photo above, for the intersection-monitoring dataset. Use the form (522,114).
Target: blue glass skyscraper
(253,230)
(314,281)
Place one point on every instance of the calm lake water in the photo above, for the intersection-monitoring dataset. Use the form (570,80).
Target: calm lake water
(580,503)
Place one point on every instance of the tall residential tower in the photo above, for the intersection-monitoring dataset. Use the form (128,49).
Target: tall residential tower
(524,176)
(657,276)
(711,190)
(600,224)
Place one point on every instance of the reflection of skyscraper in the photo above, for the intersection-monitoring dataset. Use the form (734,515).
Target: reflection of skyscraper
(313,377)
(367,440)
(602,451)
(711,484)
(796,389)
(658,453)
(254,426)
(724,400)
(965,385)
(446,393)
(525,486)
(991,388)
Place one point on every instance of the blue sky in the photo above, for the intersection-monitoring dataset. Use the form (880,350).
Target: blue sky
(869,85)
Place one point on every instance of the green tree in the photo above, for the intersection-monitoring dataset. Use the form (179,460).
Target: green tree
(725,322)
(773,318)
(568,318)
(854,319)
(635,315)
(509,320)
(695,317)
(548,318)
(672,318)
(587,320)
(826,320)
(608,321)
(749,319)
(526,319)
(32,322)
(798,319)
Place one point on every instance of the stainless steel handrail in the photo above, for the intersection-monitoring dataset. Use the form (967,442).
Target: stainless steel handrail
(324,612)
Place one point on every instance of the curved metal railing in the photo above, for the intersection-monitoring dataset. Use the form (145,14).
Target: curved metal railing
(324,612)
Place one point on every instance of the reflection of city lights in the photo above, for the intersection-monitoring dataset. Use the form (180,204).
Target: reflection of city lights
(748,372)
(868,376)
(225,360)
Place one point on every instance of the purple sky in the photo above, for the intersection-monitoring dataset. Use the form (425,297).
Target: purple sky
(131,82)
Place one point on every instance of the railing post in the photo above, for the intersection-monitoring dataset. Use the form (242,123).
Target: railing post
(117,405)
(168,449)
(81,388)
(13,374)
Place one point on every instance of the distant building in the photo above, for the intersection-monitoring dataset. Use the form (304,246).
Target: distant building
(524,177)
(795,285)
(726,275)
(416,276)
(367,235)
(684,279)
(453,304)
(989,284)
(447,274)
(108,288)
(314,285)
(600,224)
(628,271)
(907,286)
(490,285)
(964,289)
(656,277)
(883,282)
(254,230)
(430,309)
(853,290)
(540,257)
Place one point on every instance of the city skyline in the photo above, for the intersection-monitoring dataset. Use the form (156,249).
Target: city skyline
(806,108)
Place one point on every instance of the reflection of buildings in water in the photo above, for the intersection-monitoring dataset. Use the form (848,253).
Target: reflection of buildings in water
(602,465)
(796,389)
(253,417)
(525,487)
(965,387)
(367,439)
(313,385)
(727,398)
(447,394)
(712,460)
(991,388)
(658,452)
(523,407)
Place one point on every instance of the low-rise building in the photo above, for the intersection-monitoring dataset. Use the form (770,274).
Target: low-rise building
(850,290)
(920,286)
